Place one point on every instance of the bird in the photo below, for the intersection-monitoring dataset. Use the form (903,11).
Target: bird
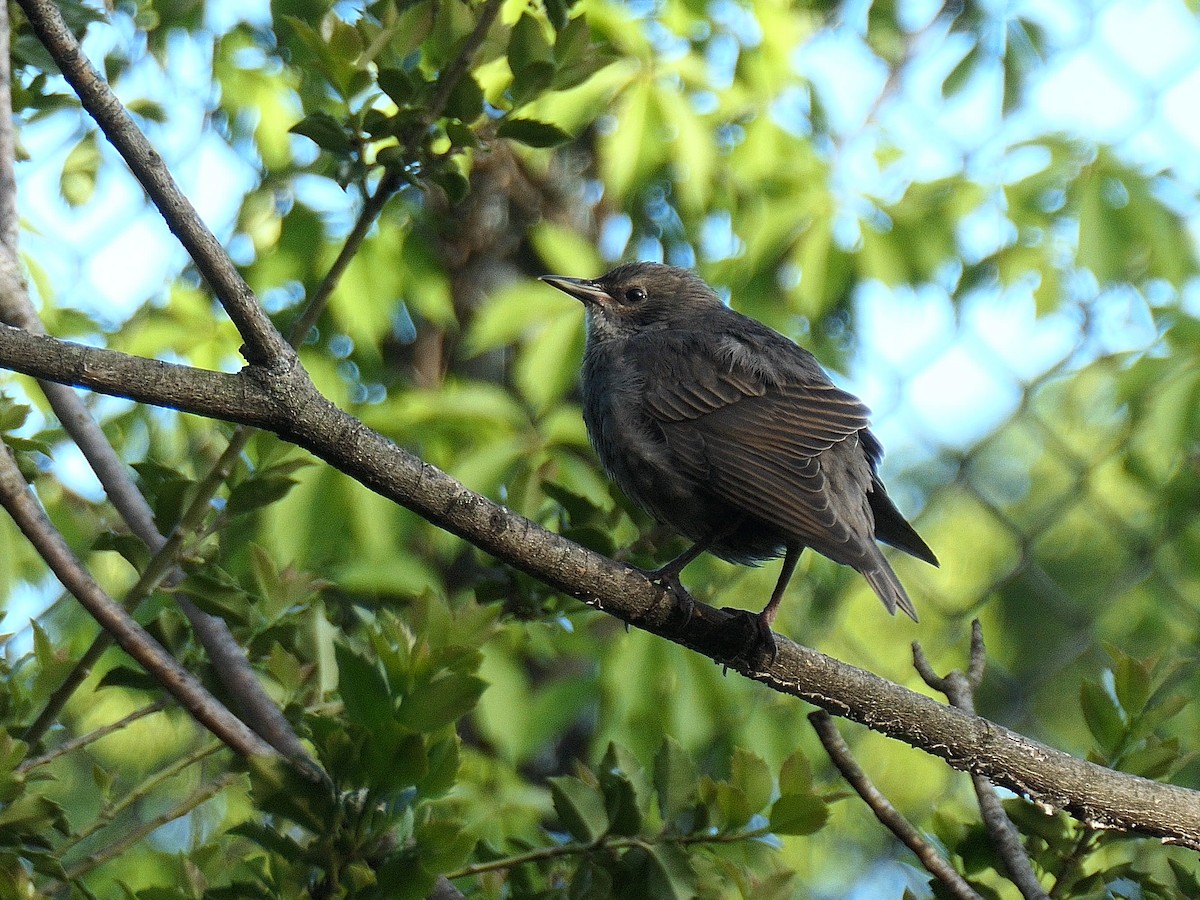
(732,435)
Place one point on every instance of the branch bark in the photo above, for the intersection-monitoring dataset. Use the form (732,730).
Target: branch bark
(285,402)
(839,752)
(20,503)
(16,308)
(959,689)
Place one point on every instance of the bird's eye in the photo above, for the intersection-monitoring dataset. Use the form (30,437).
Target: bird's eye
(635,295)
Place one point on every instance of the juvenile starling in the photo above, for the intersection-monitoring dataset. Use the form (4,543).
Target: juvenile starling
(728,432)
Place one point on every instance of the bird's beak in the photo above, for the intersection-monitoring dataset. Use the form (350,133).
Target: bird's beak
(587,292)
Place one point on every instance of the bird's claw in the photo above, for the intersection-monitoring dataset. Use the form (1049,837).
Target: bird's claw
(759,639)
(669,583)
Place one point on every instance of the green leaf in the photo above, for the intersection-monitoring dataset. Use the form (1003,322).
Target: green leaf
(1102,715)
(362,688)
(259,492)
(675,779)
(269,838)
(532,132)
(405,89)
(216,592)
(530,57)
(1155,759)
(547,367)
(466,100)
(1132,681)
(454,183)
(125,677)
(1185,880)
(590,882)
(461,135)
(133,550)
(750,775)
(620,801)
(325,131)
(78,180)
(580,808)
(731,804)
(33,813)
(625,788)
(798,814)
(795,775)
(634,150)
(279,789)
(671,874)
(445,843)
(444,700)
(962,72)
(1158,711)
(12,414)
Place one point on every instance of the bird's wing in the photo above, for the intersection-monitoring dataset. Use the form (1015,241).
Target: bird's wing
(784,450)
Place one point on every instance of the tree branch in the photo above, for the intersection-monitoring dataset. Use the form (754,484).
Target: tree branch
(218,395)
(83,740)
(839,752)
(287,403)
(960,691)
(263,344)
(8,145)
(144,830)
(20,503)
(227,656)
(135,796)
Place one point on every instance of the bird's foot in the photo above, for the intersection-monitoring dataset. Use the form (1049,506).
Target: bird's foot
(668,581)
(759,639)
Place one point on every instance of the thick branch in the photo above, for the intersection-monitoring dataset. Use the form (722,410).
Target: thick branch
(287,403)
(228,657)
(20,503)
(263,344)
(217,395)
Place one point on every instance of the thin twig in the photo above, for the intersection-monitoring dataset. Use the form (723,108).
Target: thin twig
(84,739)
(449,78)
(387,186)
(891,818)
(227,656)
(541,854)
(135,796)
(263,344)
(960,691)
(1070,868)
(115,849)
(229,661)
(213,633)
(29,516)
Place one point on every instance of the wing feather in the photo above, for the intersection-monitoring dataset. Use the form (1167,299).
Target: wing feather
(758,443)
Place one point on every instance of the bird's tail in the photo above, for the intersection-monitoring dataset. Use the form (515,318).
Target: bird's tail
(886,584)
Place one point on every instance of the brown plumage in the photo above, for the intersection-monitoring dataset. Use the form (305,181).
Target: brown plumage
(732,434)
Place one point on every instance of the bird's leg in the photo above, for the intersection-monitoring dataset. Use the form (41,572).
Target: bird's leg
(761,636)
(667,576)
(766,618)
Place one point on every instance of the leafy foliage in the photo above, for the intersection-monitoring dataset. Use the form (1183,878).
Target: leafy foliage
(474,724)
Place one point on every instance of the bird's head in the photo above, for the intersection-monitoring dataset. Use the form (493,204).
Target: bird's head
(635,297)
